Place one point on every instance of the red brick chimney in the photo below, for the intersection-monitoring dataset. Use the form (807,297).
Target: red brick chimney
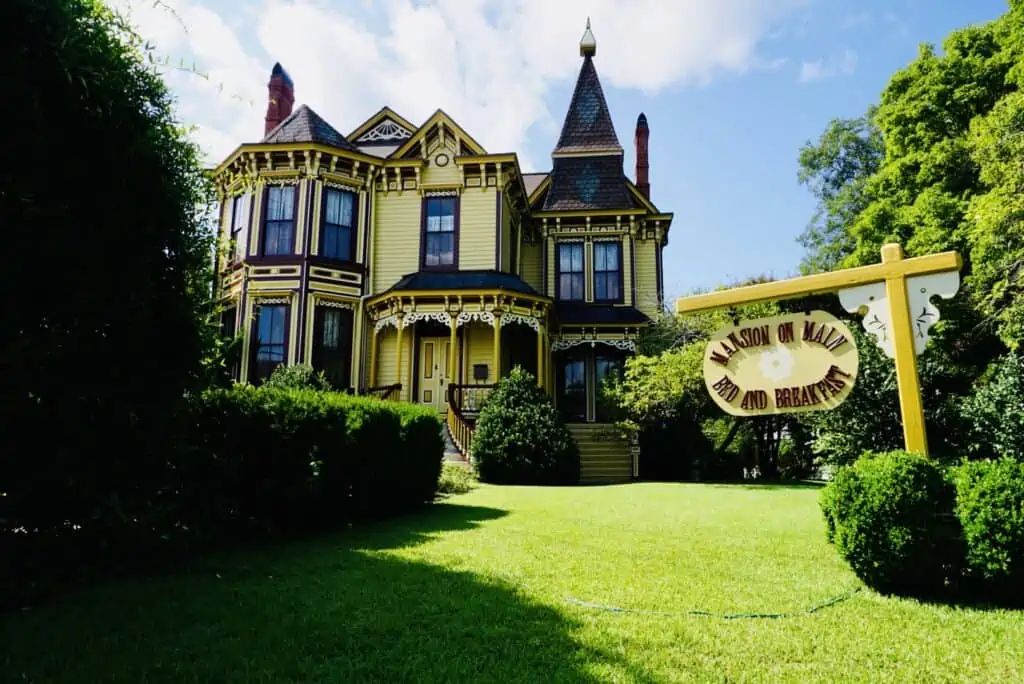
(280,99)
(640,143)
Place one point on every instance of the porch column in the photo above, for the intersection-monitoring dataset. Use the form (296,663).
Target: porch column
(540,357)
(373,355)
(497,347)
(400,328)
(453,371)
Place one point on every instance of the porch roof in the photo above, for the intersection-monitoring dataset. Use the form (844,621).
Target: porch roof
(462,280)
(575,313)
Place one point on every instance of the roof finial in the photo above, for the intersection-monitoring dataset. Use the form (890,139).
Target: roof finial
(588,44)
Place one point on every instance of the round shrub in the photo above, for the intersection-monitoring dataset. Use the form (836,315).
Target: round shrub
(891,517)
(299,377)
(521,439)
(990,507)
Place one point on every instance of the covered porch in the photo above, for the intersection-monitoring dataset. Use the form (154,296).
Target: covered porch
(455,343)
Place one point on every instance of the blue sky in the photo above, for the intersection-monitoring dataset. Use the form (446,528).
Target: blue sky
(731,88)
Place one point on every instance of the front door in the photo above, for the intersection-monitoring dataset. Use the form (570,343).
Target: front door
(433,380)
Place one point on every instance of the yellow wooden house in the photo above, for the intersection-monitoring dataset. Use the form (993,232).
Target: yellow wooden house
(409,262)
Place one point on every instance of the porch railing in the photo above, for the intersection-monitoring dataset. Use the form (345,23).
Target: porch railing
(464,403)
(382,392)
(469,398)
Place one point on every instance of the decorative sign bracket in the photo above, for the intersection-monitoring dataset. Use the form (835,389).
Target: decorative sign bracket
(895,297)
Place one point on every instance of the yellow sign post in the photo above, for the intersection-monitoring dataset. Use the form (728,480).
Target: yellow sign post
(894,297)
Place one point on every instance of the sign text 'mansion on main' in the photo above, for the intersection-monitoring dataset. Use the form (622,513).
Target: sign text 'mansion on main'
(783,364)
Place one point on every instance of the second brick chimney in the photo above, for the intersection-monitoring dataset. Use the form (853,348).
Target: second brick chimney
(280,99)
(640,143)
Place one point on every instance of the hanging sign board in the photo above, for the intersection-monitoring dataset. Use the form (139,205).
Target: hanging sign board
(784,364)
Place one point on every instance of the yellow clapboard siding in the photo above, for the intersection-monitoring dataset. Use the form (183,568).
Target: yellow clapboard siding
(531,270)
(479,349)
(506,235)
(477,230)
(646,277)
(449,174)
(550,246)
(387,360)
(396,247)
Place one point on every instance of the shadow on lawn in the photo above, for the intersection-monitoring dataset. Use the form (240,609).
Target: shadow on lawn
(768,486)
(337,608)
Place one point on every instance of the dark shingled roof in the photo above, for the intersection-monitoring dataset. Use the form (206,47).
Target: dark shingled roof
(306,126)
(462,280)
(588,124)
(575,313)
(587,183)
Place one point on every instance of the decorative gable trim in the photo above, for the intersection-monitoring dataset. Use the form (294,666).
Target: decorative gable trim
(386,131)
(382,115)
(444,125)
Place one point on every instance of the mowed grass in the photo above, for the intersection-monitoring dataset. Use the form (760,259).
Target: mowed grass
(488,586)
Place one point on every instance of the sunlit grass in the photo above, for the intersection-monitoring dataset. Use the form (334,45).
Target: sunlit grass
(487,587)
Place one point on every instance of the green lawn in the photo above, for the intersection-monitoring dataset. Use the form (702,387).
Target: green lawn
(486,588)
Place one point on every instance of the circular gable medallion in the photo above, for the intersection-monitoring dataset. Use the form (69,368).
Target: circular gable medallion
(441,159)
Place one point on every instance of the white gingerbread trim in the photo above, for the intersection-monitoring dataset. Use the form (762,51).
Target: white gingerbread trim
(439,316)
(519,318)
(258,300)
(354,187)
(624,345)
(335,304)
(386,321)
(482,316)
(385,130)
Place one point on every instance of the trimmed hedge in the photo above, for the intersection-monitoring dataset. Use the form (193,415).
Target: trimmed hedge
(890,516)
(990,506)
(246,464)
(272,459)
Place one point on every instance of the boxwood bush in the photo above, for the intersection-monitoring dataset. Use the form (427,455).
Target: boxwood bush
(521,439)
(890,516)
(990,507)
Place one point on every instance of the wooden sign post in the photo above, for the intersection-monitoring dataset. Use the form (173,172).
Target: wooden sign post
(894,297)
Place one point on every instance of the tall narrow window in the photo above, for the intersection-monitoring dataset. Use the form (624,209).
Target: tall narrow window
(332,345)
(439,231)
(607,272)
(279,224)
(571,278)
(270,345)
(338,233)
(604,368)
(572,388)
(239,224)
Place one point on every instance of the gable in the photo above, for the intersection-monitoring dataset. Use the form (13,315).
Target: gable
(388,130)
(441,127)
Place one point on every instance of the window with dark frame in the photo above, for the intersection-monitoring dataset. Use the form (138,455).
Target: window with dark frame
(238,224)
(270,345)
(279,222)
(338,232)
(571,278)
(439,232)
(332,345)
(604,367)
(228,330)
(607,272)
(572,388)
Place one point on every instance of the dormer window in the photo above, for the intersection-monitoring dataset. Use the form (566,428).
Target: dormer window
(440,228)
(338,233)
(279,221)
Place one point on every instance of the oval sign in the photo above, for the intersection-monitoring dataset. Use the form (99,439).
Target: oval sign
(784,364)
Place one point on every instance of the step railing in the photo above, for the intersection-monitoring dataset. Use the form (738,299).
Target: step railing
(464,404)
(385,392)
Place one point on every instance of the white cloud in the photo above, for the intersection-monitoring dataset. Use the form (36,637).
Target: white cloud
(488,63)
(822,69)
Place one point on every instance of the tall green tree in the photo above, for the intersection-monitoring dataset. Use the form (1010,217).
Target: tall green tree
(106,265)
(836,169)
